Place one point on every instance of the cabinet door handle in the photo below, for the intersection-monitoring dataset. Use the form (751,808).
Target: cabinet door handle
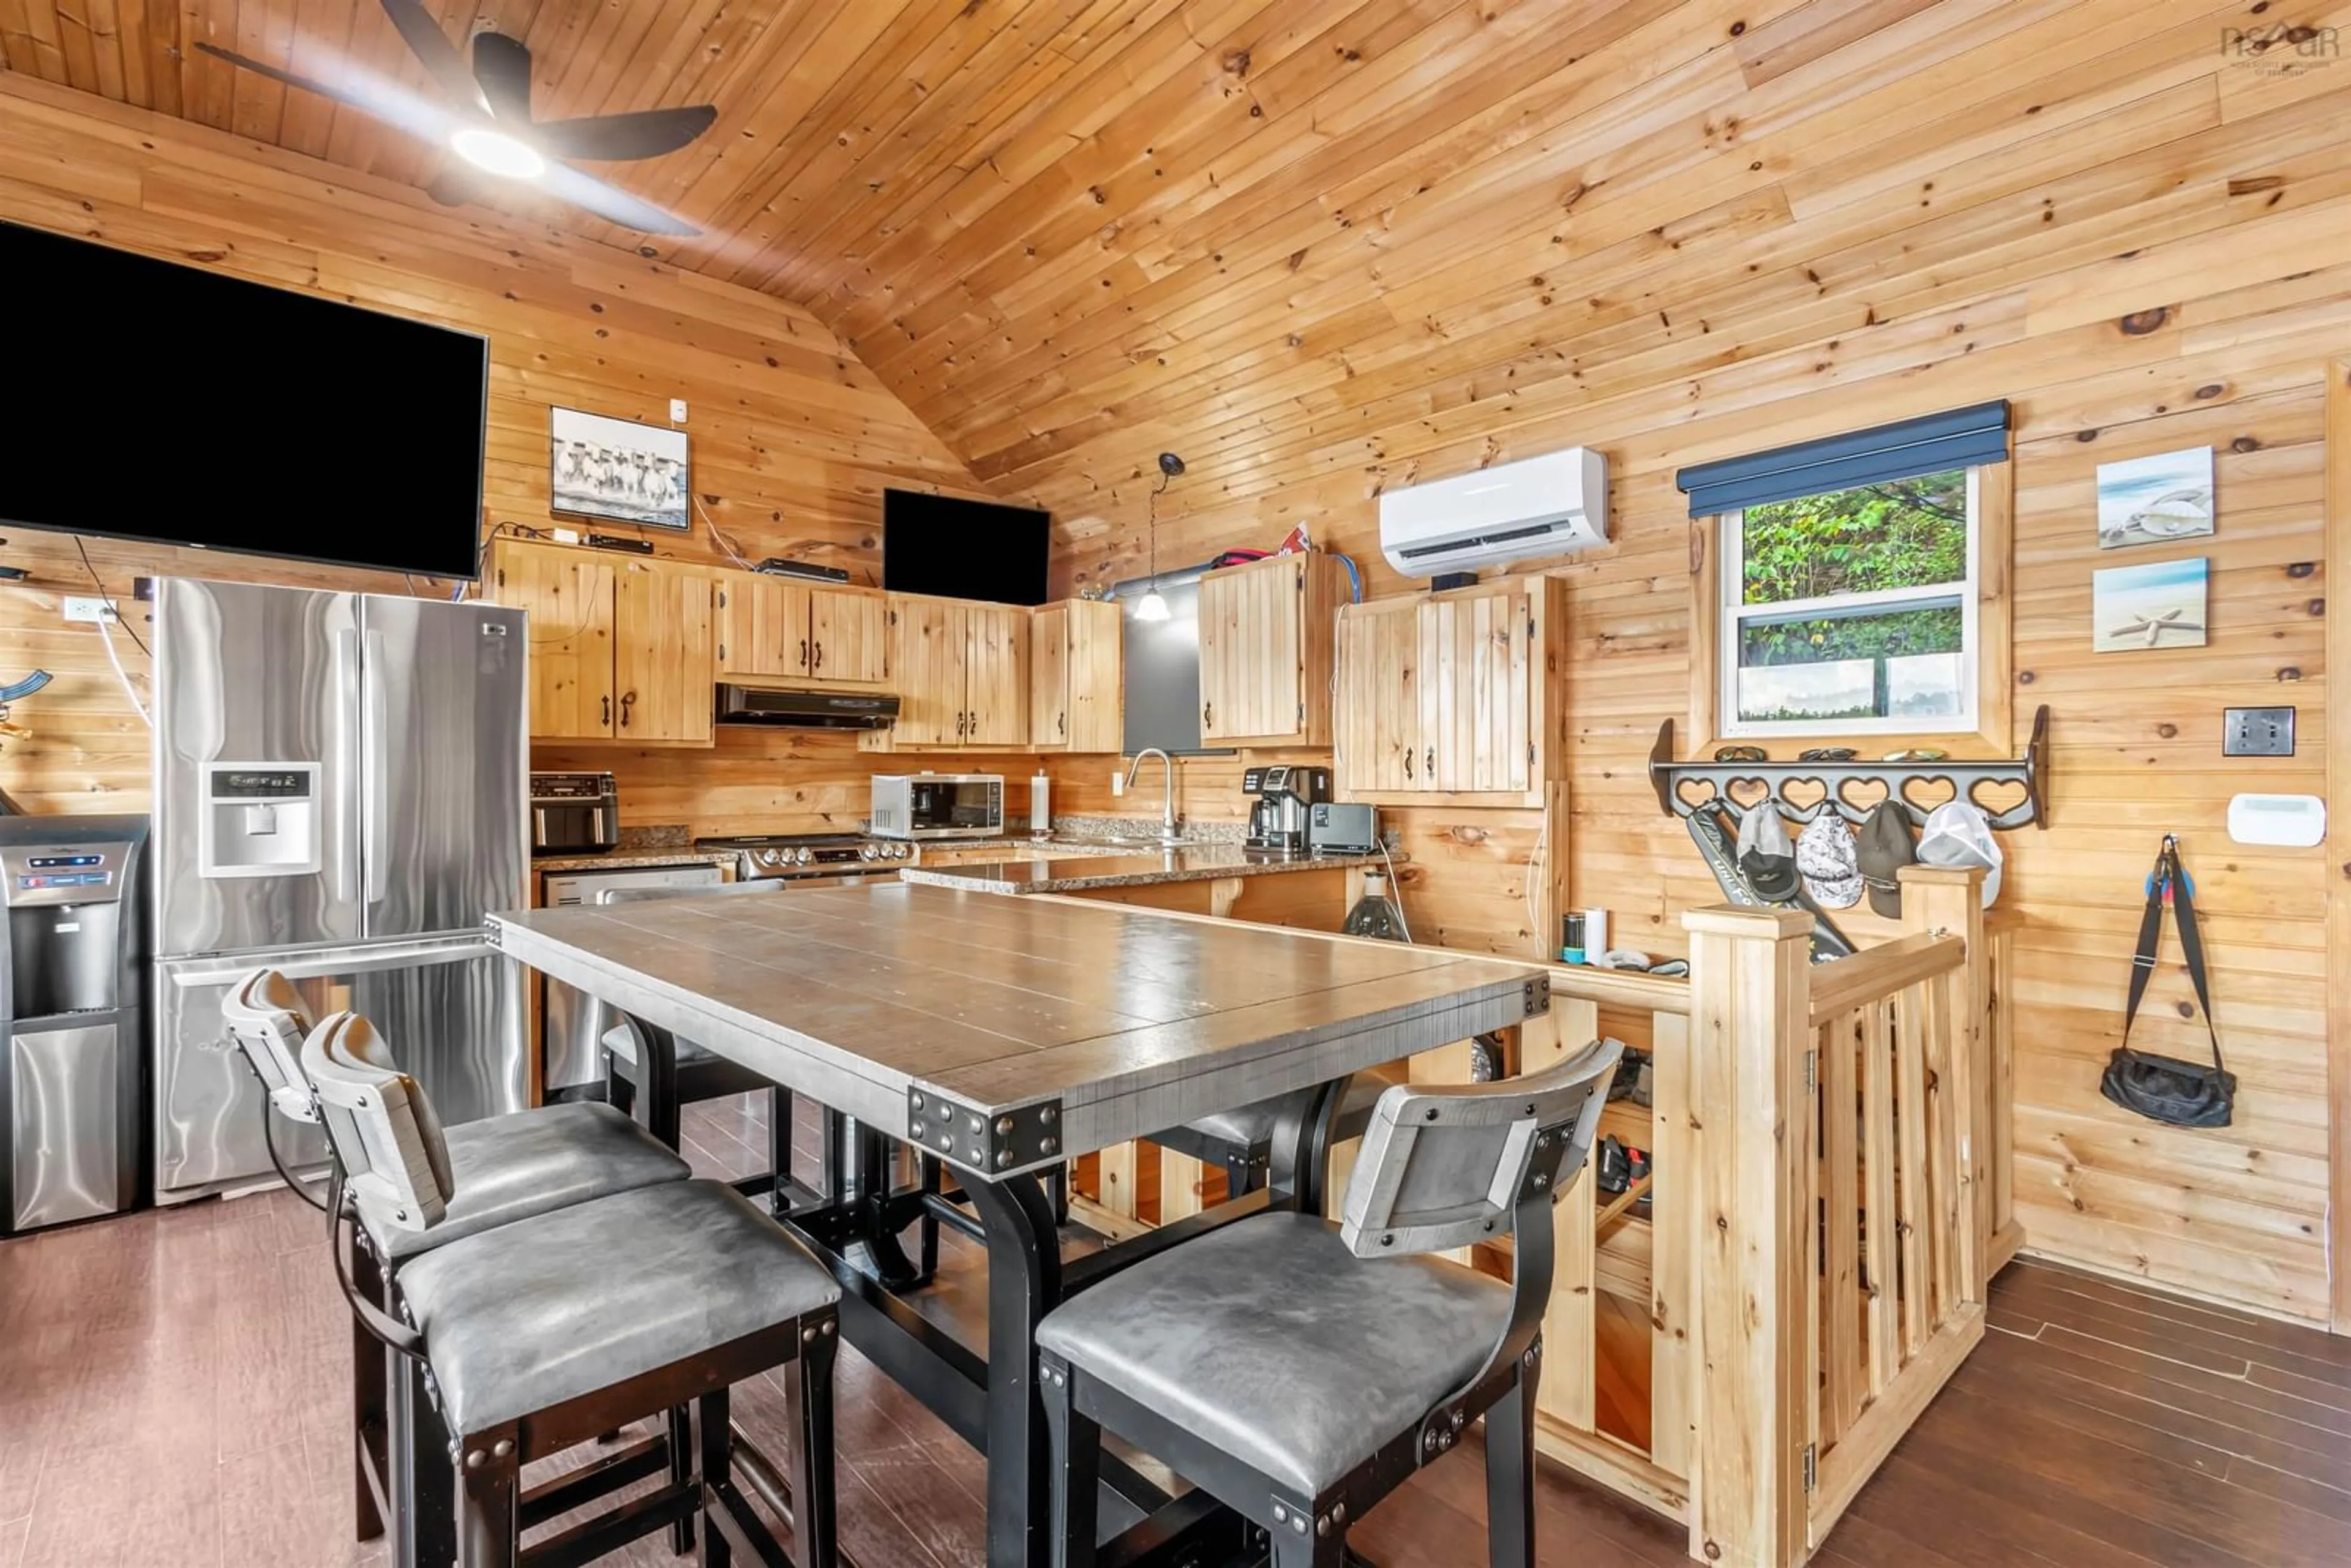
(1061,724)
(1429,768)
(804,658)
(1407,764)
(818,647)
(1208,716)
(607,719)
(628,701)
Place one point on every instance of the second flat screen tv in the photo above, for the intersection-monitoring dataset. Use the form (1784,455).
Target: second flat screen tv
(964,549)
(170,404)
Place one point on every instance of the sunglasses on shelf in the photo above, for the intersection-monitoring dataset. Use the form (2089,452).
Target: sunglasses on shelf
(1741,753)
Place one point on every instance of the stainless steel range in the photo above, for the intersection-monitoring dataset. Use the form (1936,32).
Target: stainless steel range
(817,859)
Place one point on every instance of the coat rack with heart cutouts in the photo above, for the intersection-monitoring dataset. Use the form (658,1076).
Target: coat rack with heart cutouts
(1892,780)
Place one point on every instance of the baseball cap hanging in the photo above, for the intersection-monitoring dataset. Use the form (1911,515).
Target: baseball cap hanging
(1766,857)
(1956,835)
(1884,846)
(1829,861)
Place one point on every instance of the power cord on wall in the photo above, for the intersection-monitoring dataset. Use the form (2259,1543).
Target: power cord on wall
(107,618)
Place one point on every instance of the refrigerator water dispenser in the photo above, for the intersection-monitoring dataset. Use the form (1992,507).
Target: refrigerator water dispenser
(261,819)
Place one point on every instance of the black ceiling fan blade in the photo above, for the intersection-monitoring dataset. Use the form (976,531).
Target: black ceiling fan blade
(610,203)
(308,84)
(434,52)
(617,138)
(501,68)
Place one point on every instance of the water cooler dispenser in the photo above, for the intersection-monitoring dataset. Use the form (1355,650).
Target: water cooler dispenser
(73,986)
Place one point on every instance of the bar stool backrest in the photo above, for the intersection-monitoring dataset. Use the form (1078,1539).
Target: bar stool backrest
(266,1019)
(1448,1165)
(380,1124)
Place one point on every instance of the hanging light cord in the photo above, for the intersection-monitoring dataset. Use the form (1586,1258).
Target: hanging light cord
(1157,491)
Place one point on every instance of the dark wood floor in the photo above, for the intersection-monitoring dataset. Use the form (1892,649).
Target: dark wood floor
(173,1387)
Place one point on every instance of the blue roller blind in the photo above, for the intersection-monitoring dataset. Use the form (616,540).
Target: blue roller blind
(1957,438)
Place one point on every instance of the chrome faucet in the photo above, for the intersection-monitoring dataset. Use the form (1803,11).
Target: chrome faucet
(1167,834)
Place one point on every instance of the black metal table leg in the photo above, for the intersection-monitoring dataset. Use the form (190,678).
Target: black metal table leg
(863,1163)
(1024,1282)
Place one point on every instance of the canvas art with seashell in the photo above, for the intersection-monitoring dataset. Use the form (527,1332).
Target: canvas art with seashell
(2156,499)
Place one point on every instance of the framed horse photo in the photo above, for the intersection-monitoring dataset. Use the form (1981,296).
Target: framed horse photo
(618,471)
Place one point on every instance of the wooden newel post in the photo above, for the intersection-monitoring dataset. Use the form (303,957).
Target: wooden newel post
(1751,1163)
(1950,899)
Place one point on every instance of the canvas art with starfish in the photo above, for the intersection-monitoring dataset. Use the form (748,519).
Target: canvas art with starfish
(2160,605)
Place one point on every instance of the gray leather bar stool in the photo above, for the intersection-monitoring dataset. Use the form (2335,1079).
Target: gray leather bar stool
(531,1341)
(1298,1370)
(506,1168)
(634,1081)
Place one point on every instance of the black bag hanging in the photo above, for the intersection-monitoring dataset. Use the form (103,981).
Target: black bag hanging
(2164,1088)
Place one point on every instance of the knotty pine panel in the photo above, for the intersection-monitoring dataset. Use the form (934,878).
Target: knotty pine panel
(793,441)
(2103,357)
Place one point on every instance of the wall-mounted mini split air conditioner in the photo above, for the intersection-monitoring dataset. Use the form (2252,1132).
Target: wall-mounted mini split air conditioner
(1542,506)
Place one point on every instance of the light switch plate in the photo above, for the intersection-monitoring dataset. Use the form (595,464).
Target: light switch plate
(2257,732)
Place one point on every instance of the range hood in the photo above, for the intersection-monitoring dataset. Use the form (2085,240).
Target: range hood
(779,708)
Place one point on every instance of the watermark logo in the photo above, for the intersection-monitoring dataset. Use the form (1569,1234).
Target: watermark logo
(2283,49)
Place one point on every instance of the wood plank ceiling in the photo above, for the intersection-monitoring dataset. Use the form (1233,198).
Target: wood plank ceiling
(1295,240)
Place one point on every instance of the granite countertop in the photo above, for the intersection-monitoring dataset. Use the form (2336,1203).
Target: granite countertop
(1081,868)
(626,857)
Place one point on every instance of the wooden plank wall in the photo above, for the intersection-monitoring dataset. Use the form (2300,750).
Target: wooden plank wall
(2169,269)
(792,439)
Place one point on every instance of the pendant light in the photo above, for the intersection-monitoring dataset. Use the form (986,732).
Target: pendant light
(1154,608)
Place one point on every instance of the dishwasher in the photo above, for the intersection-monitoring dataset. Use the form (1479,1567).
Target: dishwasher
(574,1023)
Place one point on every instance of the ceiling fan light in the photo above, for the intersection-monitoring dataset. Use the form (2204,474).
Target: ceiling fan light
(1153,608)
(495,153)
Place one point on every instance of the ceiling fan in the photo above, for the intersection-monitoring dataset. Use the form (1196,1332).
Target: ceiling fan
(486,120)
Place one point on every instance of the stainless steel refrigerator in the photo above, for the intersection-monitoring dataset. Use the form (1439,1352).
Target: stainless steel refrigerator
(341,794)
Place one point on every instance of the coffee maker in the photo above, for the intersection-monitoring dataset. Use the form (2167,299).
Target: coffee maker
(1278,817)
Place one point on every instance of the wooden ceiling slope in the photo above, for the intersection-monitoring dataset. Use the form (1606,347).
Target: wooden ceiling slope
(1319,247)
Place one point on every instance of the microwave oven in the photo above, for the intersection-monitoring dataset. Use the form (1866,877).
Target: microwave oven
(937,805)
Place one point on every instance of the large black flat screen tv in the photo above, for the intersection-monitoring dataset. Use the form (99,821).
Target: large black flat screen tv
(165,402)
(965,549)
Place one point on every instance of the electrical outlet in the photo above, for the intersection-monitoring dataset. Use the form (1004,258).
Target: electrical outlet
(677,411)
(2257,732)
(91,609)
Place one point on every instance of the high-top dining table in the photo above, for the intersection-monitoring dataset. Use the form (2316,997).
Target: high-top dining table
(1005,1037)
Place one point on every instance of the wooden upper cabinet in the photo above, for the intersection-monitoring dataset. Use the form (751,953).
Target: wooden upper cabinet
(960,670)
(926,650)
(1077,678)
(619,649)
(783,628)
(995,676)
(763,627)
(1377,723)
(1452,694)
(665,637)
(849,635)
(567,595)
(1265,651)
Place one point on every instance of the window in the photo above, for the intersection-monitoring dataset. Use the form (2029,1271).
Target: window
(1853,612)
